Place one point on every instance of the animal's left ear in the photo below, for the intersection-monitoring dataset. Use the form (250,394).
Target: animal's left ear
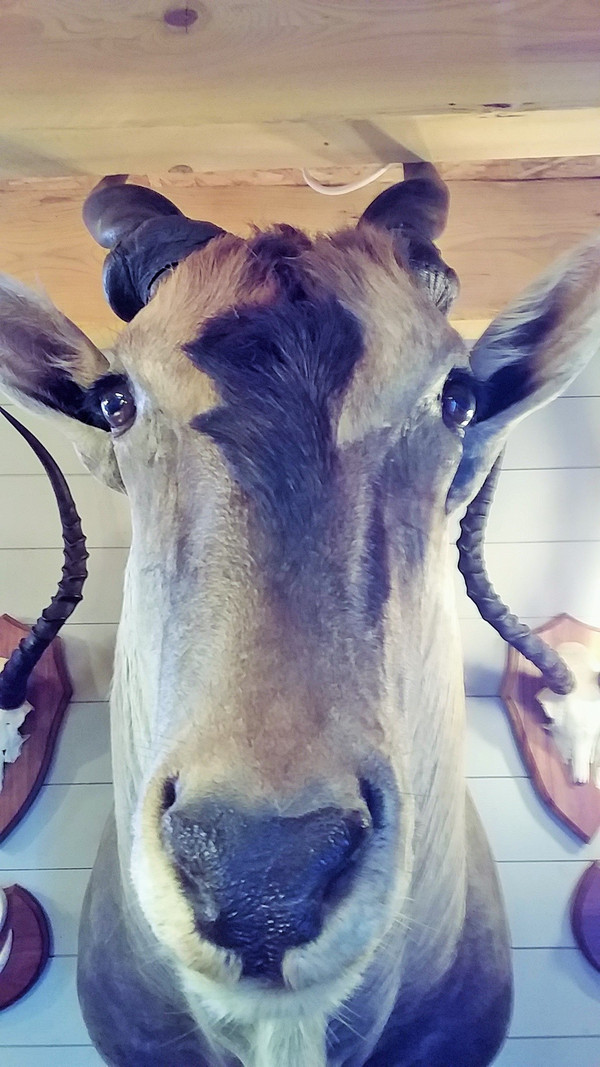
(527,357)
(47,364)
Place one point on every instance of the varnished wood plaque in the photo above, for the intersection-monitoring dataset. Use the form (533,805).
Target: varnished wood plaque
(49,691)
(585,914)
(30,947)
(577,806)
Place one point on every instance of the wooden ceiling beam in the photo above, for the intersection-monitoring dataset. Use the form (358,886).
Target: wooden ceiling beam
(452,138)
(91,88)
(501,233)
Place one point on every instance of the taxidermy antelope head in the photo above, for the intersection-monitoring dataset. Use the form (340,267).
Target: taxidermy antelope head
(294,873)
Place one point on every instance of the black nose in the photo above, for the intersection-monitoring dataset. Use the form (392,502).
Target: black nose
(260,884)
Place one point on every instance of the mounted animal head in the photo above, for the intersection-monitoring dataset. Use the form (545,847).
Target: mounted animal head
(295,422)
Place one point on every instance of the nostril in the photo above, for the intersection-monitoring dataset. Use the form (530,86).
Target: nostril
(341,876)
(357,827)
(169,794)
(374,798)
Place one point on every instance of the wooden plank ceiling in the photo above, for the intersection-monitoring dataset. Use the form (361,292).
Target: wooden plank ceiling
(221,114)
(94,86)
(500,233)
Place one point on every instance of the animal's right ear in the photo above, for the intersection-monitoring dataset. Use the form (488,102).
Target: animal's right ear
(527,356)
(47,364)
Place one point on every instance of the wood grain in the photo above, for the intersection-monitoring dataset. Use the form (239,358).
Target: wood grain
(89,88)
(454,137)
(49,692)
(498,170)
(30,946)
(577,806)
(263,61)
(585,914)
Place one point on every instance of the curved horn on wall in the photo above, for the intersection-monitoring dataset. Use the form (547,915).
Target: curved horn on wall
(15,676)
(417,209)
(471,564)
(146,235)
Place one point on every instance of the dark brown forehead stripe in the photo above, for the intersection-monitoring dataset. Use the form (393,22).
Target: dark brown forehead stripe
(280,371)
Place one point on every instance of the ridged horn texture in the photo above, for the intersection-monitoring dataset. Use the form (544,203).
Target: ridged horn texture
(471,565)
(15,676)
(146,234)
(417,209)
(113,209)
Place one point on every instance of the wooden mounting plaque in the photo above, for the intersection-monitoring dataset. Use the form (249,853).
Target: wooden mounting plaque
(577,806)
(585,914)
(30,946)
(49,691)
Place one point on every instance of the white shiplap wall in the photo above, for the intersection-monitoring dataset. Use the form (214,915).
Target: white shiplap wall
(544,556)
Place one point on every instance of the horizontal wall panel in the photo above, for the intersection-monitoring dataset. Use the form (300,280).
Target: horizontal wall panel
(61,829)
(535,578)
(490,750)
(545,579)
(89,651)
(60,892)
(538,897)
(16,457)
(29,577)
(520,828)
(586,384)
(83,751)
(49,1014)
(29,516)
(484,656)
(55,1056)
(564,433)
(543,1052)
(557,1007)
(549,505)
(567,1004)
(517,1052)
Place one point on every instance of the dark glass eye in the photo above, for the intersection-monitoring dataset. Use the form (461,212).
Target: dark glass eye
(118,406)
(458,401)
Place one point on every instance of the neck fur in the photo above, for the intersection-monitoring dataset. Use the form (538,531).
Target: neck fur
(432,711)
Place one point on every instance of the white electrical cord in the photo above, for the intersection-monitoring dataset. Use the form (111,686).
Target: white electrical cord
(341,190)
